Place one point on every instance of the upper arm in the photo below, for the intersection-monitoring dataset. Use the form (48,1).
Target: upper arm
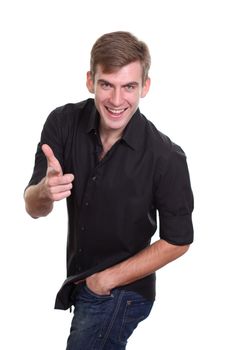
(174,200)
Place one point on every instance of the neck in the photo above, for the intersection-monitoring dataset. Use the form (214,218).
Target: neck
(109,136)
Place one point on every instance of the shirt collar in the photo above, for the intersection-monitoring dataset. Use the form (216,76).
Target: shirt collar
(132,134)
(93,122)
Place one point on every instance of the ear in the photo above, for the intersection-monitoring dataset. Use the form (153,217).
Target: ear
(145,88)
(90,83)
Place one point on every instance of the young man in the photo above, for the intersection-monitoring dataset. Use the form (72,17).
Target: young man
(116,171)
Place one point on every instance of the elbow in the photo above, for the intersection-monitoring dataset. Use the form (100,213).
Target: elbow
(182,249)
(185,248)
(177,250)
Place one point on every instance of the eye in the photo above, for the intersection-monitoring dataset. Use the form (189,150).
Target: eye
(105,85)
(130,87)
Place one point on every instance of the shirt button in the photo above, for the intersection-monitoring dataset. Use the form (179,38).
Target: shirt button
(82,228)
(80,250)
(86,204)
(94,178)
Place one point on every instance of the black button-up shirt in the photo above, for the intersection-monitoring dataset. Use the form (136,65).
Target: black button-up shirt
(114,202)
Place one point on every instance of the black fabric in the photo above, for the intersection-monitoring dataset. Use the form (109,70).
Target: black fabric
(112,212)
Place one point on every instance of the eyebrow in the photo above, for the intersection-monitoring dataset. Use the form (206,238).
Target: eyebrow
(99,81)
(135,83)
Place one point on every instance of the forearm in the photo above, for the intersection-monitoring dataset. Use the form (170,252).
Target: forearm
(140,265)
(37,203)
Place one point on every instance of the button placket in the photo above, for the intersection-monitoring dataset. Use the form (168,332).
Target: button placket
(90,189)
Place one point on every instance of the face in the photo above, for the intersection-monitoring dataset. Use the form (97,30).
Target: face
(117,95)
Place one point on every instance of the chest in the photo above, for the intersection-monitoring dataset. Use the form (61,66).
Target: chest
(112,173)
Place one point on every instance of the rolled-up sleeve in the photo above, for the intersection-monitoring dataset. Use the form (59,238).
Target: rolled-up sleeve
(174,199)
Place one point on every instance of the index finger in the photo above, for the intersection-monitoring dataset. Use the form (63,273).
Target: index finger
(48,152)
(53,163)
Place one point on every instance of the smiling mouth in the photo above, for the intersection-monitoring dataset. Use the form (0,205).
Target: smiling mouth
(116,111)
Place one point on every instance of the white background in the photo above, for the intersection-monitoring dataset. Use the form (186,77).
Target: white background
(45,48)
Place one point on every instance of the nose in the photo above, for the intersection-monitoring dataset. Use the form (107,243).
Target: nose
(116,97)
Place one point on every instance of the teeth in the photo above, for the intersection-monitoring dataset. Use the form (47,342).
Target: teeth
(116,111)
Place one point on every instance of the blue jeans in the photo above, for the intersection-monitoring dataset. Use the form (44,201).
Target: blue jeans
(105,322)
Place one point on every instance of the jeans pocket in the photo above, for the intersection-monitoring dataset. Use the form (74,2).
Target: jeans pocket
(136,310)
(97,296)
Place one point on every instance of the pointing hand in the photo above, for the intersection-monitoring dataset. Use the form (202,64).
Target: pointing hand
(56,185)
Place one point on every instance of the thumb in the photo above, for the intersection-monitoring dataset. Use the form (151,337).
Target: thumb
(53,164)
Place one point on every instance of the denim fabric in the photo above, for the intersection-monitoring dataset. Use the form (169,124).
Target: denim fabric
(106,322)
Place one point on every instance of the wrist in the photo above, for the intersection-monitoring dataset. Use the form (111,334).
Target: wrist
(37,202)
(111,278)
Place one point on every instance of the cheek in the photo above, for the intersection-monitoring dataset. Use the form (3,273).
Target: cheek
(101,96)
(134,98)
